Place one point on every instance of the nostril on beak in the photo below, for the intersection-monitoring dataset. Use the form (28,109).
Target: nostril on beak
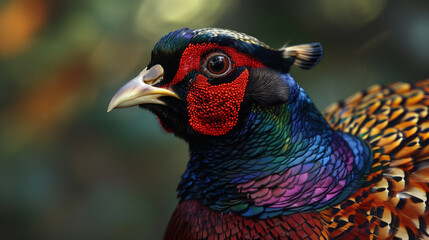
(154,76)
(153,81)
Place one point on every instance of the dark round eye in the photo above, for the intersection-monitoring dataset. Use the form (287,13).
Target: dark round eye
(217,65)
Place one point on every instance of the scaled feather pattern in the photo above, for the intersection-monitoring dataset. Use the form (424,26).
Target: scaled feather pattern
(265,163)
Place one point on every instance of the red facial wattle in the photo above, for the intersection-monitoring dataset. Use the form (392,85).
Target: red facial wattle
(213,109)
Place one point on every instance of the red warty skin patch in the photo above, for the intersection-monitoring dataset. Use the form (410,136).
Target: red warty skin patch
(213,109)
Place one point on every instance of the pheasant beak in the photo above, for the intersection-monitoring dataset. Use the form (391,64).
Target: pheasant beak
(140,90)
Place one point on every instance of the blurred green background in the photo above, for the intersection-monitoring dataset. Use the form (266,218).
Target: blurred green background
(69,170)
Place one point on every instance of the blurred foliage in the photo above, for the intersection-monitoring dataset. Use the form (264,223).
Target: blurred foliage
(69,170)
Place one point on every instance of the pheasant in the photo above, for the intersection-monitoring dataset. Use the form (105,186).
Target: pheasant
(264,162)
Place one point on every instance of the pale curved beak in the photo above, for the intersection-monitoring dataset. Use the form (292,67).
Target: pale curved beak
(140,90)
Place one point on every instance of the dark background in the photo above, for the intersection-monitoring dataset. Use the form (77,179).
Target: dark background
(69,170)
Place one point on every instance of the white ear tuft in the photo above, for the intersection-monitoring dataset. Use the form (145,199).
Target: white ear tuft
(306,55)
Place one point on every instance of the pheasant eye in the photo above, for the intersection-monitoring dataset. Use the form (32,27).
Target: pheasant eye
(217,65)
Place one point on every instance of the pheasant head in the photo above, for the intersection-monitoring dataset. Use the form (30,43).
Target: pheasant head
(205,81)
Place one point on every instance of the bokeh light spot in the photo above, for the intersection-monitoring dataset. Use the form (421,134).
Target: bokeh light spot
(352,13)
(158,17)
(19,20)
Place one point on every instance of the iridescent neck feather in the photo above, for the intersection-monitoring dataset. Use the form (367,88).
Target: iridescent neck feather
(285,159)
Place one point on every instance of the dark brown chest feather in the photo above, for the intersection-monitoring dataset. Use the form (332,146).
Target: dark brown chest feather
(192,220)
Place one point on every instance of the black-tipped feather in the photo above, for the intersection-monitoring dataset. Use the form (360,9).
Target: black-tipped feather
(306,55)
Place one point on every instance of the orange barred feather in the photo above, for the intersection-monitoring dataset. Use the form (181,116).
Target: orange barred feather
(393,203)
